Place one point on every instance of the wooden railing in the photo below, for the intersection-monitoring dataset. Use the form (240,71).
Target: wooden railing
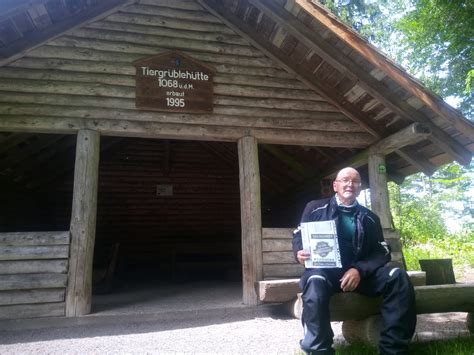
(33,274)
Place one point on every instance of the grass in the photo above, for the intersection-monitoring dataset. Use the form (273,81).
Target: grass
(460,251)
(457,346)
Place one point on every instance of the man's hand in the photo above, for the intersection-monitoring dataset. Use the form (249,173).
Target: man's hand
(302,255)
(350,280)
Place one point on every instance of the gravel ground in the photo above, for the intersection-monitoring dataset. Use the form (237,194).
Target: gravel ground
(212,321)
(243,332)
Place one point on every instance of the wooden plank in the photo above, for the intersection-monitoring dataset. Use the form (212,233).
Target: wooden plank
(282,257)
(286,289)
(83,223)
(32,310)
(282,271)
(410,135)
(32,296)
(122,68)
(278,290)
(176,43)
(34,238)
(34,252)
(251,220)
(422,164)
(33,266)
(31,281)
(183,131)
(133,25)
(223,115)
(395,244)
(276,245)
(274,233)
(18,48)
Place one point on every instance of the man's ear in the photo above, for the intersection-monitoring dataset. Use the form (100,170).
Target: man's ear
(334,186)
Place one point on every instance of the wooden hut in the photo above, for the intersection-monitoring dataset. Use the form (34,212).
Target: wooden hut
(179,130)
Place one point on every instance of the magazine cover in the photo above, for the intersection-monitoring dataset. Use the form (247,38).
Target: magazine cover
(320,240)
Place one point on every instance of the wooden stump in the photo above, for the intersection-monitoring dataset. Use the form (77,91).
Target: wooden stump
(366,331)
(470,322)
(295,306)
(438,271)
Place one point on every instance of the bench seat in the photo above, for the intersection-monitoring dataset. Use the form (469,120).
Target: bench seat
(283,290)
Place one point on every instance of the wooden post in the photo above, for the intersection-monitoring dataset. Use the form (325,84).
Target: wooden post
(380,203)
(83,223)
(251,220)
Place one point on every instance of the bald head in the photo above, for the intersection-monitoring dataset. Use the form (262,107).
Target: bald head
(347,185)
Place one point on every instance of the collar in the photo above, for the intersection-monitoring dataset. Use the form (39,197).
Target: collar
(340,204)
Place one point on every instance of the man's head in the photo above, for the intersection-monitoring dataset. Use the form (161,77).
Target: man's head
(347,185)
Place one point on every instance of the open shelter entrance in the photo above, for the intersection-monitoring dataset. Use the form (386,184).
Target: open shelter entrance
(168,211)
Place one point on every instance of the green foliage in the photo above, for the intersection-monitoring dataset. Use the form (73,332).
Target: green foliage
(459,249)
(421,205)
(458,346)
(437,46)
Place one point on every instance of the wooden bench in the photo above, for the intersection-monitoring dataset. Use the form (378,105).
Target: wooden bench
(360,314)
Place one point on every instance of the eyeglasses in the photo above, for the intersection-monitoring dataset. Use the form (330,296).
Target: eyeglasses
(347,181)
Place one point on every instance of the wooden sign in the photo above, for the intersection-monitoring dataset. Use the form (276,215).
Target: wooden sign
(174,82)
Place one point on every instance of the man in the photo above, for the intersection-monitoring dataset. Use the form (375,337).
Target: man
(363,256)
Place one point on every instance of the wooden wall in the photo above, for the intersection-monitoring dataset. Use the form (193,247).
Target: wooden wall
(33,274)
(200,221)
(88,74)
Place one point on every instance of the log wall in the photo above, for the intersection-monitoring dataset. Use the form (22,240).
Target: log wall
(199,222)
(279,261)
(33,274)
(85,79)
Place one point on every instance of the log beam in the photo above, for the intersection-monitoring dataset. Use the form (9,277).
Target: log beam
(251,220)
(379,199)
(83,223)
(128,128)
(412,134)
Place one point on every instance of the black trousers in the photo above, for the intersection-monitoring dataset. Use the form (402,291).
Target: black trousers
(398,308)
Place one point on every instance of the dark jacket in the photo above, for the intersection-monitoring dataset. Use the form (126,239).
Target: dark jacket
(370,249)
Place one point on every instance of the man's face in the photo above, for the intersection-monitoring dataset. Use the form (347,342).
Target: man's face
(347,185)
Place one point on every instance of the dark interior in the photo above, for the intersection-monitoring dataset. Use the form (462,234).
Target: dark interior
(168,210)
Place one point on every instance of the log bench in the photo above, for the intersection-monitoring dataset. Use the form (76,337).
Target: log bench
(360,314)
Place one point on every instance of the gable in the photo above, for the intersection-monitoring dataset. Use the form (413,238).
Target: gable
(281,73)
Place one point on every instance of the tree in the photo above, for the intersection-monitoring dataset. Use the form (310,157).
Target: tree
(423,207)
(432,39)
(437,46)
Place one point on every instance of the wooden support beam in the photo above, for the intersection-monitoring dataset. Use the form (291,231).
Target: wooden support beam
(429,299)
(398,141)
(83,223)
(410,135)
(351,69)
(379,199)
(130,128)
(251,220)
(413,157)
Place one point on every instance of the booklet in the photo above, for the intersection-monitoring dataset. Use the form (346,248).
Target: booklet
(320,240)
